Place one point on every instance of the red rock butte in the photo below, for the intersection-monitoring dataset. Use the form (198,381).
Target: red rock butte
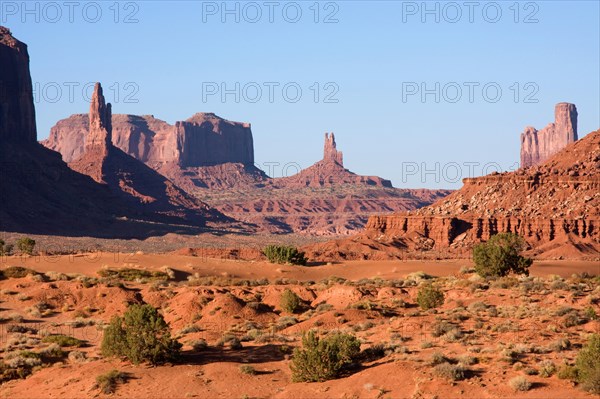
(538,146)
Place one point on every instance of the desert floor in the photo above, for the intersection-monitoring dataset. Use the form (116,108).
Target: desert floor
(497,329)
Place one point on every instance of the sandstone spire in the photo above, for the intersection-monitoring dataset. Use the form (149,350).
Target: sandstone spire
(330,153)
(537,146)
(100,135)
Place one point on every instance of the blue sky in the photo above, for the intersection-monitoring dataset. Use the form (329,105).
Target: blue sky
(368,61)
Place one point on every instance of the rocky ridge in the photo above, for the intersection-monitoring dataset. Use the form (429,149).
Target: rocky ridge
(555,206)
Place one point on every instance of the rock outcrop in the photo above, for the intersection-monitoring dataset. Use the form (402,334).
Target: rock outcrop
(17,113)
(330,152)
(135,183)
(38,191)
(554,206)
(202,140)
(325,198)
(538,146)
(205,140)
(330,171)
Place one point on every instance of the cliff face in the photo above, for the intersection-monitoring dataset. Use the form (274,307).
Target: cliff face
(141,187)
(38,192)
(205,140)
(555,206)
(537,146)
(202,140)
(17,113)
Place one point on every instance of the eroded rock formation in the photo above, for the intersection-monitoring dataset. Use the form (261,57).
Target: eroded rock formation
(538,146)
(330,152)
(202,140)
(330,171)
(38,191)
(554,206)
(131,180)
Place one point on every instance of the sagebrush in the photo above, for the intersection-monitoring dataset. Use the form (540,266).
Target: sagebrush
(141,335)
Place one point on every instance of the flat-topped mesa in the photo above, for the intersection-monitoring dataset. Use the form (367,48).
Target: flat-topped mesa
(330,152)
(206,140)
(538,146)
(17,113)
(100,133)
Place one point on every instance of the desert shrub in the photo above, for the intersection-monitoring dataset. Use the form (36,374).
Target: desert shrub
(140,335)
(63,340)
(107,382)
(26,245)
(230,341)
(284,254)
(322,359)
(442,327)
(430,297)
(17,272)
(500,256)
(588,365)
(290,302)
(190,328)
(77,356)
(590,313)
(567,372)
(547,368)
(247,369)
(451,372)
(128,274)
(437,358)
(5,249)
(520,383)
(561,344)
(198,344)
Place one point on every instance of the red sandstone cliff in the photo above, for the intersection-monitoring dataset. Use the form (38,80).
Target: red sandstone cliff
(325,198)
(538,146)
(141,187)
(17,113)
(554,206)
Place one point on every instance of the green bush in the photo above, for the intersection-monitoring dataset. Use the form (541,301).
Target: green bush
(26,245)
(140,335)
(128,274)
(63,340)
(323,359)
(16,272)
(290,302)
(5,249)
(430,297)
(284,254)
(500,256)
(588,365)
(107,382)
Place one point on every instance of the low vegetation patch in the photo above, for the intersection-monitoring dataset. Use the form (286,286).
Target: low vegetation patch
(588,365)
(141,335)
(284,254)
(430,297)
(128,274)
(322,359)
(520,383)
(500,256)
(290,301)
(107,382)
(26,245)
(16,272)
(63,340)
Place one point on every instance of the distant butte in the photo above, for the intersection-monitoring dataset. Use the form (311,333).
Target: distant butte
(538,146)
